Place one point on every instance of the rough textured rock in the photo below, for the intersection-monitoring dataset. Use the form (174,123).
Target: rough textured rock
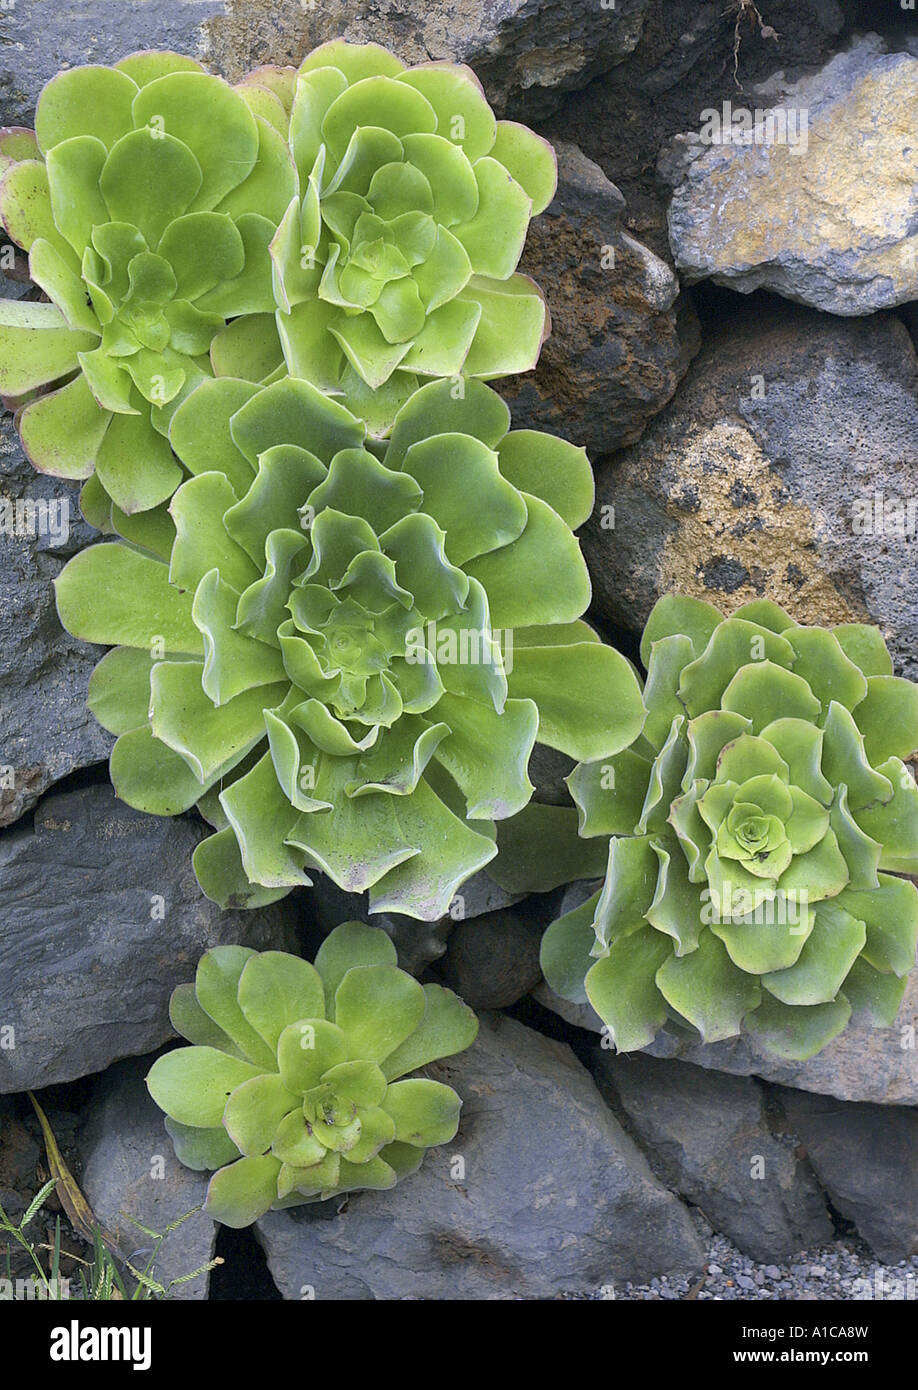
(861,1064)
(130,1170)
(821,206)
(46,731)
(707,1137)
(554,1198)
(492,961)
(864,1156)
(618,347)
(524,51)
(683,64)
(41,36)
(102,917)
(752,482)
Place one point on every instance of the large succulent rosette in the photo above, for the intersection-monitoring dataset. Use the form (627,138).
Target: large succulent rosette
(296,1086)
(146,198)
(399,259)
(759,825)
(344,656)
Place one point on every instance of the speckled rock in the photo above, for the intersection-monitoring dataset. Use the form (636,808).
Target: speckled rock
(526,52)
(864,1156)
(42,36)
(101,918)
(541,1193)
(821,206)
(707,1137)
(130,1171)
(761,479)
(619,342)
(46,731)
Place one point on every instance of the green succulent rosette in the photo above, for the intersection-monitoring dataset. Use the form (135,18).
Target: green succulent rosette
(146,198)
(759,827)
(345,657)
(296,1086)
(399,258)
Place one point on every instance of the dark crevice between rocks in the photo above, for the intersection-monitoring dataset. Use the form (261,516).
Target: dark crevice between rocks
(624,639)
(244,1272)
(888,19)
(93,775)
(777,1121)
(534,1015)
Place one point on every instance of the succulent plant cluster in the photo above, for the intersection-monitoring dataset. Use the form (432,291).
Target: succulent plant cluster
(344,601)
(356,223)
(147,199)
(345,657)
(399,258)
(293,1089)
(757,826)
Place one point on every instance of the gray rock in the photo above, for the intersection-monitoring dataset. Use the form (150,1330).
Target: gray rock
(480,895)
(419,944)
(821,205)
(683,64)
(492,961)
(618,346)
(864,1156)
(102,917)
(579,1015)
(554,1197)
(707,1137)
(760,479)
(862,1064)
(46,731)
(548,768)
(130,1171)
(40,38)
(526,52)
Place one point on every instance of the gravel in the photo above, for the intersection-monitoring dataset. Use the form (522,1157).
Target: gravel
(844,1270)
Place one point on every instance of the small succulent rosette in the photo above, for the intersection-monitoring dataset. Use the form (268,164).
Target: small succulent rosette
(759,827)
(147,198)
(345,656)
(399,259)
(292,1090)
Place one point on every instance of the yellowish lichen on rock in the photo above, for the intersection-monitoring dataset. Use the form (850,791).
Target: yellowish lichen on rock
(745,523)
(823,211)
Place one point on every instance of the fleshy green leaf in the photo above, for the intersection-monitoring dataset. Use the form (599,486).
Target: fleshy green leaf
(797,1032)
(706,988)
(242,1192)
(115,596)
(622,988)
(193,1084)
(377,1007)
(425,1112)
(275,989)
(575,688)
